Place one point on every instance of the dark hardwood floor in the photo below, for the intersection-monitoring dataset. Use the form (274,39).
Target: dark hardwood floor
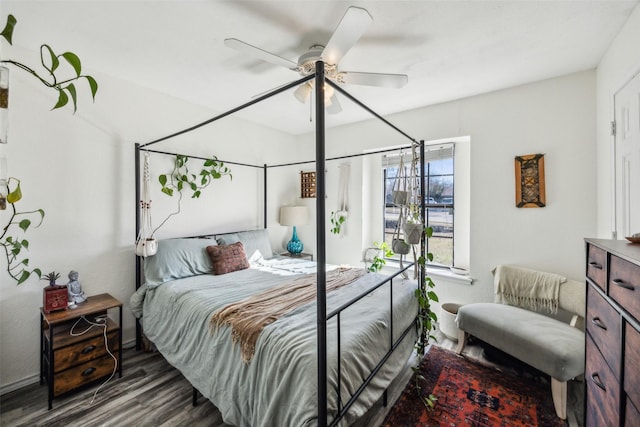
(153,393)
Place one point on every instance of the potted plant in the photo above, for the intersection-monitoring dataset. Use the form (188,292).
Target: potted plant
(55,297)
(413,227)
(337,220)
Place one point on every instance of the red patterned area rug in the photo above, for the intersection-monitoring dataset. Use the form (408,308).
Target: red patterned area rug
(472,395)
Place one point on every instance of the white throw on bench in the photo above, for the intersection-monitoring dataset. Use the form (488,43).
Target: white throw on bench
(549,345)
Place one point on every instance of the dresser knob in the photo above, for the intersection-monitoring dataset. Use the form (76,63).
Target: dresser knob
(596,321)
(623,284)
(596,380)
(595,265)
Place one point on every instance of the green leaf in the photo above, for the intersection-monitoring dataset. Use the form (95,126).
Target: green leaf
(62,99)
(72,91)
(24,276)
(74,61)
(24,224)
(93,84)
(25,261)
(54,59)
(38,272)
(196,195)
(7,32)
(15,195)
(180,185)
(163,180)
(208,162)
(432,296)
(168,191)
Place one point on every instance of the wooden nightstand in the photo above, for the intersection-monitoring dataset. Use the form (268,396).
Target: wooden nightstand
(70,361)
(301,255)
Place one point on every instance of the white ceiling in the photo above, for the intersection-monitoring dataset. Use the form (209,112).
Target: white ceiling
(449,49)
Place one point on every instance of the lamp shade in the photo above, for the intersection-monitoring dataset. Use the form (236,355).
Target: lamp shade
(294,215)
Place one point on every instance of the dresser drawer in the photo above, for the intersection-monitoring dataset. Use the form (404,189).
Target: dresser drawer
(596,264)
(84,351)
(624,285)
(604,325)
(632,416)
(603,389)
(632,364)
(83,374)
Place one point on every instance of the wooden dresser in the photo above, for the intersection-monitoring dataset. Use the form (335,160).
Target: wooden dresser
(612,371)
(73,349)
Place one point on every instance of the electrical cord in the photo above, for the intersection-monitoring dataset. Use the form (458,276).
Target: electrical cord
(100,321)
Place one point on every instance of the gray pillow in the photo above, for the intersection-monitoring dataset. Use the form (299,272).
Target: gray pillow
(252,240)
(177,258)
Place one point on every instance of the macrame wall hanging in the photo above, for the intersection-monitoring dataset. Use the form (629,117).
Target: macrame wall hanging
(343,197)
(146,244)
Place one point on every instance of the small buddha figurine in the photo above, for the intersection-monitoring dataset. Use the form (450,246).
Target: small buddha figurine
(76,295)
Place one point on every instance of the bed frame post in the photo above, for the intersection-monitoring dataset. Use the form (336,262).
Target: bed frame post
(321,247)
(138,214)
(265,195)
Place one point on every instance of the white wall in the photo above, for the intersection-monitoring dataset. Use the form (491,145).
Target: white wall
(621,61)
(80,170)
(555,117)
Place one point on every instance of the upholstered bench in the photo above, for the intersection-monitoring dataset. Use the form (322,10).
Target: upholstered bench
(549,345)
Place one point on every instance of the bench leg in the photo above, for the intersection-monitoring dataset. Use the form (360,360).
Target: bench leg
(559,393)
(462,341)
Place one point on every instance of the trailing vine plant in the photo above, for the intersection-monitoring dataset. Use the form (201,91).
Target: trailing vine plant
(180,179)
(427,319)
(50,61)
(17,266)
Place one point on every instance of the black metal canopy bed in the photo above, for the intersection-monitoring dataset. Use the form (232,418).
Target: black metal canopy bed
(326,362)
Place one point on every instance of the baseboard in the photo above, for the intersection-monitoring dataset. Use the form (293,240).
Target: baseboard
(8,388)
(35,378)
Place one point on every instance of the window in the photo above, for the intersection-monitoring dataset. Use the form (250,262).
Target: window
(439,200)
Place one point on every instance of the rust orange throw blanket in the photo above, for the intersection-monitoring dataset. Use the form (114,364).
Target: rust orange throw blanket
(248,317)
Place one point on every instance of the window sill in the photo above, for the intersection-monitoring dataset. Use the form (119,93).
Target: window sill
(449,275)
(444,273)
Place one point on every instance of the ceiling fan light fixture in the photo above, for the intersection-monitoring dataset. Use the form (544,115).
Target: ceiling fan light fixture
(303,92)
(328,94)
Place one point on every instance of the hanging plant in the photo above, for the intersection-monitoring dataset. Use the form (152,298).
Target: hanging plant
(13,245)
(50,61)
(383,251)
(337,220)
(180,179)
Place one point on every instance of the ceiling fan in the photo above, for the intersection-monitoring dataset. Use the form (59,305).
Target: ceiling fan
(353,24)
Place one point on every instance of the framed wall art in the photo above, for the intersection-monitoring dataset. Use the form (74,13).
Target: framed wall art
(530,189)
(307,184)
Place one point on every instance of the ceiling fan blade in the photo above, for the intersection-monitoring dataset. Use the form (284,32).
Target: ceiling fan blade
(259,53)
(334,107)
(353,24)
(373,79)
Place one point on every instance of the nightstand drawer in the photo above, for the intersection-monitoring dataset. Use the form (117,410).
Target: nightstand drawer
(624,285)
(596,264)
(604,325)
(83,374)
(85,351)
(603,389)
